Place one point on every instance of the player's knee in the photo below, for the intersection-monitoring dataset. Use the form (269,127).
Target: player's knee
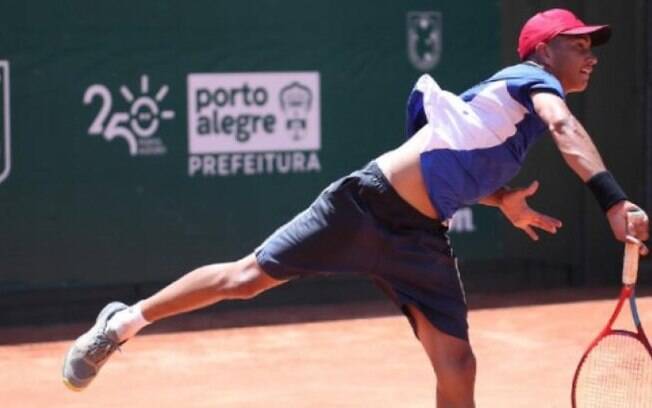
(468,364)
(460,364)
(245,287)
(244,280)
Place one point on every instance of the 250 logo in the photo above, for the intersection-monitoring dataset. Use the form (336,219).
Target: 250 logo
(138,125)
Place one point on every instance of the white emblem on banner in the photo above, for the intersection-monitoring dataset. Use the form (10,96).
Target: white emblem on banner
(138,125)
(424,39)
(5,138)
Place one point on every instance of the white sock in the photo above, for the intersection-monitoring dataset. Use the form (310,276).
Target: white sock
(126,323)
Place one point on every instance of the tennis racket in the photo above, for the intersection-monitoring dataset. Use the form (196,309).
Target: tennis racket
(616,369)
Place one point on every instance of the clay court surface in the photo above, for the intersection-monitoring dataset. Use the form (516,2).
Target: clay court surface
(360,355)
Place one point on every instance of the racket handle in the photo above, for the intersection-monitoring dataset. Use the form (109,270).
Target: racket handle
(630,261)
(630,264)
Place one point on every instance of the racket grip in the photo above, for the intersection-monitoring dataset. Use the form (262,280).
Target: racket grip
(630,263)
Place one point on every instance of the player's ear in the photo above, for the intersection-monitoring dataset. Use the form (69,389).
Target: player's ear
(542,51)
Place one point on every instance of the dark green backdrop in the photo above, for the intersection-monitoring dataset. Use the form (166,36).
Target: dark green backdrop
(78,210)
(614,109)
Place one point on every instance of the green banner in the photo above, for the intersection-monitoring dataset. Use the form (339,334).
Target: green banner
(147,138)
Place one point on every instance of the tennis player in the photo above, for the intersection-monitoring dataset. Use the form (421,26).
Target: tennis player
(389,220)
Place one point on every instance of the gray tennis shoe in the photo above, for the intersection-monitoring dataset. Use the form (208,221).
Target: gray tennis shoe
(91,350)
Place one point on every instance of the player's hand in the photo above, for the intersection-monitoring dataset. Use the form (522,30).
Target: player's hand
(514,205)
(629,223)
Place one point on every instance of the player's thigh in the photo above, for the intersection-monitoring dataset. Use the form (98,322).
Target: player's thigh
(448,354)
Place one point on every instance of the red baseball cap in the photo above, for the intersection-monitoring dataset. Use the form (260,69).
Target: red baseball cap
(546,25)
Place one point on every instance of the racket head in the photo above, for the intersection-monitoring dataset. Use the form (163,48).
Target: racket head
(616,371)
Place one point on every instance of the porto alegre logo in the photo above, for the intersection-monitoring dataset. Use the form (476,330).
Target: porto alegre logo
(253,123)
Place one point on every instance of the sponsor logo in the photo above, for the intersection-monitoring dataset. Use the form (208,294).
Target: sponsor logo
(296,101)
(462,221)
(253,123)
(138,125)
(5,127)
(424,39)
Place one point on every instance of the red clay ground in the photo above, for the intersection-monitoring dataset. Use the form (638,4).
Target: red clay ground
(527,356)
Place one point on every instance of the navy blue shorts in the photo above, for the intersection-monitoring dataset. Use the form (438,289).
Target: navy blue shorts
(360,225)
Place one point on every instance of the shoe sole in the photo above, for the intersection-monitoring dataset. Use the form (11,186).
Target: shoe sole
(71,386)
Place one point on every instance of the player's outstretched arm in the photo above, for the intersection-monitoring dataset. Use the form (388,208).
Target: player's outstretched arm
(581,155)
(573,141)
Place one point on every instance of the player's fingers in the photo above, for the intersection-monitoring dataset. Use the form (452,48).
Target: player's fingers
(633,240)
(547,228)
(639,230)
(550,228)
(638,222)
(554,222)
(635,213)
(642,248)
(545,222)
(528,230)
(642,228)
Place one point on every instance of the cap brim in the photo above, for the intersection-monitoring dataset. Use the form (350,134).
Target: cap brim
(599,34)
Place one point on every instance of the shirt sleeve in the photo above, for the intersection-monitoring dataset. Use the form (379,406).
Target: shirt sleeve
(521,88)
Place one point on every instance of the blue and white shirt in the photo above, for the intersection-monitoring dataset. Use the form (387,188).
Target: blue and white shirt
(475,143)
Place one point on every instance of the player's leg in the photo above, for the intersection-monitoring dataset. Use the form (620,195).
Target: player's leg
(318,240)
(117,322)
(452,360)
(209,284)
(415,265)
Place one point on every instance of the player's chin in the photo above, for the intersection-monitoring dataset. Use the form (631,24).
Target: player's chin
(580,86)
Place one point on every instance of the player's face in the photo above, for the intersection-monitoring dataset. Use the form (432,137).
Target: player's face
(571,60)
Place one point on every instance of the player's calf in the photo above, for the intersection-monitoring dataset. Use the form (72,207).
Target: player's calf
(455,379)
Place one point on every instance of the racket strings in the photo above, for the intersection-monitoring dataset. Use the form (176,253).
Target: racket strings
(616,373)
